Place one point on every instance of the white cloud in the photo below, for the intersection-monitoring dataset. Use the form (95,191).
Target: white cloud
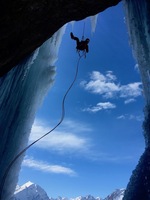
(76,126)
(136,117)
(121,117)
(129,101)
(100,106)
(131,117)
(110,158)
(101,84)
(107,86)
(66,140)
(45,167)
(130,90)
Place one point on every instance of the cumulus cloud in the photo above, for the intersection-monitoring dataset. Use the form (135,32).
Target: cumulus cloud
(100,106)
(48,168)
(107,86)
(66,140)
(130,90)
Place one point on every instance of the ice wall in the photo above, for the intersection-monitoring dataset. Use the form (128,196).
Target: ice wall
(21,93)
(138,23)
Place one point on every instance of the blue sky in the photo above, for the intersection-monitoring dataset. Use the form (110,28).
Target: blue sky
(100,140)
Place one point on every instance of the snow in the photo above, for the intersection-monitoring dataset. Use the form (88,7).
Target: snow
(26,185)
(30,191)
(117,195)
(22,90)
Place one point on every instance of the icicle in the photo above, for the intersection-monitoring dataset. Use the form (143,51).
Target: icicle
(93,23)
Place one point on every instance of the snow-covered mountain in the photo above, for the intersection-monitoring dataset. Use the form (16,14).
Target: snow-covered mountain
(31,191)
(88,197)
(117,195)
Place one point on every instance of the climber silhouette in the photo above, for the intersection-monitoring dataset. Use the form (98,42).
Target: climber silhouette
(81,45)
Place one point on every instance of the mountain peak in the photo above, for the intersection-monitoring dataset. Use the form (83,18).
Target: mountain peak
(116,195)
(23,187)
(30,191)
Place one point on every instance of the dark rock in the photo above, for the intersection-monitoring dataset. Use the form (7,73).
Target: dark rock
(26,24)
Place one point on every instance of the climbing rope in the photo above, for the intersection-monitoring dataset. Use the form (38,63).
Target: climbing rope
(83,30)
(61,120)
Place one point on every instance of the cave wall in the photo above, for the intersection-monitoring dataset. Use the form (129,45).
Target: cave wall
(27,24)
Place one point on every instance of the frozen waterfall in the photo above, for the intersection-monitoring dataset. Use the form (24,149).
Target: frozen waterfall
(22,91)
(138,23)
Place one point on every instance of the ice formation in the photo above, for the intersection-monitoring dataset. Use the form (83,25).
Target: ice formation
(138,23)
(22,91)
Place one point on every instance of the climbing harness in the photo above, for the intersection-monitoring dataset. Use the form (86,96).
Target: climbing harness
(61,120)
(81,53)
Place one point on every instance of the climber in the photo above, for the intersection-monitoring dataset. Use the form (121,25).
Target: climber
(81,45)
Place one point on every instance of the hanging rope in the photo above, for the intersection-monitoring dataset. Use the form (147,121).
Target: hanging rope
(25,149)
(83,30)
